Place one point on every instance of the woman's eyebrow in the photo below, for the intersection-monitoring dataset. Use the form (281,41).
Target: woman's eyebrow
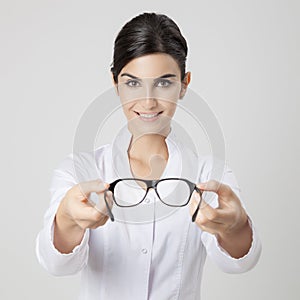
(129,75)
(167,76)
(160,77)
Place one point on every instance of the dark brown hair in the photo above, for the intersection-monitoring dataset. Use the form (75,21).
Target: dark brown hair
(148,33)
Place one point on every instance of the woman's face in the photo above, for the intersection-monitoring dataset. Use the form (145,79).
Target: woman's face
(149,87)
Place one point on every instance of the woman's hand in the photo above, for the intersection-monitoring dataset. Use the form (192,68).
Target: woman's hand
(229,221)
(76,213)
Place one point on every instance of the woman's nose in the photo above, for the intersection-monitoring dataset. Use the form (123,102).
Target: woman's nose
(148,103)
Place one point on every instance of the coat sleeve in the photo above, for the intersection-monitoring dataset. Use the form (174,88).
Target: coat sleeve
(215,169)
(55,262)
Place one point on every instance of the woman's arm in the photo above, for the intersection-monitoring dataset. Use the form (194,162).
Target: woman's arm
(227,231)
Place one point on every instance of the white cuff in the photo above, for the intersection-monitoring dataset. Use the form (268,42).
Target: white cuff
(76,249)
(228,263)
(55,262)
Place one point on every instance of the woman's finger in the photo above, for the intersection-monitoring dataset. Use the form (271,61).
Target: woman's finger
(207,225)
(221,189)
(87,187)
(215,215)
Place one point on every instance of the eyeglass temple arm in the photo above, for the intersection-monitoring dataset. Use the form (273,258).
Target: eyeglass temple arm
(198,206)
(108,208)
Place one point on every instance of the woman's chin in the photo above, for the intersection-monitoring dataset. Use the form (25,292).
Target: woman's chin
(139,127)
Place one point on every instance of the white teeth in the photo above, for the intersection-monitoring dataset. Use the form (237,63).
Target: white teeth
(148,115)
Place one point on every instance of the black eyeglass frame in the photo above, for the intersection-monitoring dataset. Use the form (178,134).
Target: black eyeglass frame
(153,184)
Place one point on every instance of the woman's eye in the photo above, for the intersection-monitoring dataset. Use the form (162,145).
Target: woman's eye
(132,83)
(163,83)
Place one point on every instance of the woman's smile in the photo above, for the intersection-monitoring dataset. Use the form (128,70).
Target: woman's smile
(148,116)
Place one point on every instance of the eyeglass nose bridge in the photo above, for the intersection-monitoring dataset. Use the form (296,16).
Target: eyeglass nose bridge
(151,184)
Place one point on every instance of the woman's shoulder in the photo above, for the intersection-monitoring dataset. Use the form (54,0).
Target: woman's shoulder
(84,165)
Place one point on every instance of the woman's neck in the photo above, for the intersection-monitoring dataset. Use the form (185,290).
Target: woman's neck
(143,148)
(148,156)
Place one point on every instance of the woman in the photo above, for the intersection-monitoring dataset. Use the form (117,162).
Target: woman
(145,257)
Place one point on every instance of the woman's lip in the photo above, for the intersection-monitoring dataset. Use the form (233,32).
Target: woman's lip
(148,113)
(148,119)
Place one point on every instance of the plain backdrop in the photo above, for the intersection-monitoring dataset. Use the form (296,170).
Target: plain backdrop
(244,58)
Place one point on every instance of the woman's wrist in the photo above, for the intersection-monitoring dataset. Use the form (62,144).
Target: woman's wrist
(67,233)
(238,242)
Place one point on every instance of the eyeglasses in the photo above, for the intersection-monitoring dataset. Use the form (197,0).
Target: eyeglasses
(129,192)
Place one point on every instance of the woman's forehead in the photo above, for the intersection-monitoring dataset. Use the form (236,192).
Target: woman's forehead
(152,65)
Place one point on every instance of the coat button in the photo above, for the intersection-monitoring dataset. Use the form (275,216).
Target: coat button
(144,250)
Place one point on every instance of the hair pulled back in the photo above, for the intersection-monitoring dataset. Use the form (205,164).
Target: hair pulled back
(148,33)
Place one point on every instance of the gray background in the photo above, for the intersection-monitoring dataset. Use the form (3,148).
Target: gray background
(244,59)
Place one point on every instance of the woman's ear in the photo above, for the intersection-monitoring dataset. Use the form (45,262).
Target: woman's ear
(184,84)
(114,83)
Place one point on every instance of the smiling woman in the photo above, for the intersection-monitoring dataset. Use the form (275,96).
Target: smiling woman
(149,87)
(157,247)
